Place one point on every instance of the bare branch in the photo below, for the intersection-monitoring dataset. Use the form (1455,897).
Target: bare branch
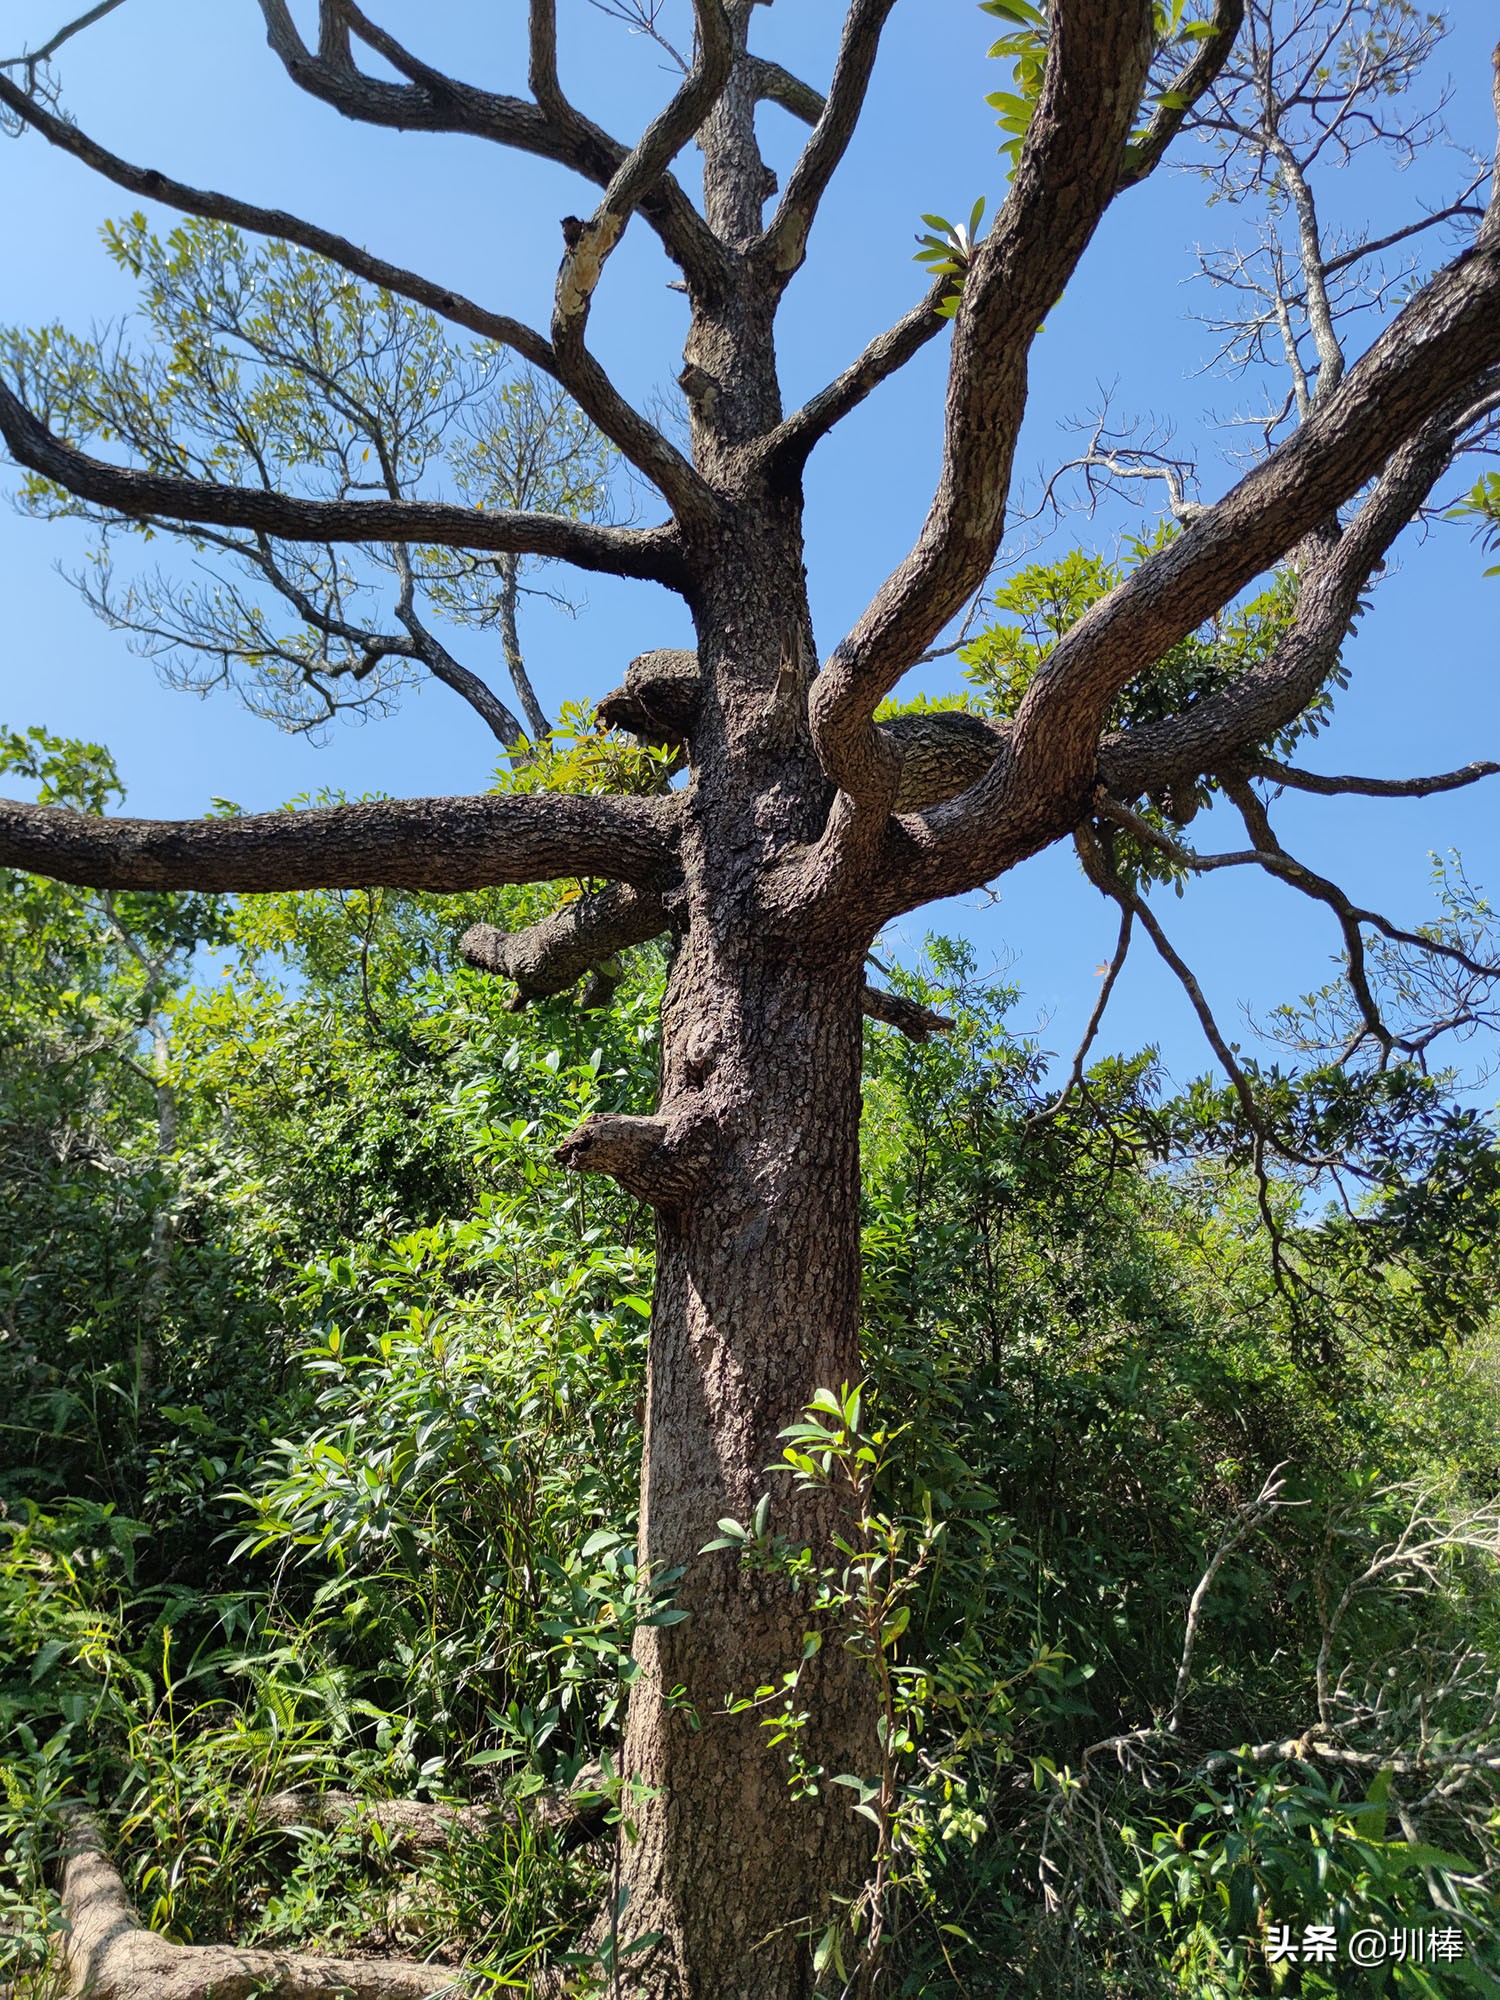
(653,553)
(642,17)
(440,845)
(551,956)
(588,249)
(1252,1518)
(792,441)
(287,228)
(774,85)
(661,1160)
(1369,788)
(894,1010)
(31,60)
(1267,852)
(1463,205)
(432,102)
(1095,1022)
(1108,879)
(784,244)
(1068,173)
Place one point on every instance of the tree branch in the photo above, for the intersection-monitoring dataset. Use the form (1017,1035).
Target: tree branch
(588,249)
(432,102)
(894,1010)
(1196,78)
(287,228)
(653,553)
(32,59)
(1068,173)
(1095,1021)
(1053,755)
(661,1160)
(789,446)
(794,440)
(1099,867)
(440,845)
(1267,852)
(1296,780)
(108,1950)
(1415,383)
(783,247)
(774,85)
(551,956)
(943,752)
(1336,573)
(589,385)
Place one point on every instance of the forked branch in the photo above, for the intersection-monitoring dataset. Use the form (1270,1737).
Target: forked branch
(1405,400)
(1053,755)
(430,101)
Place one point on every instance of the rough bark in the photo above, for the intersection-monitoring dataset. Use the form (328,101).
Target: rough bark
(752,1162)
(756,1307)
(442,845)
(806,824)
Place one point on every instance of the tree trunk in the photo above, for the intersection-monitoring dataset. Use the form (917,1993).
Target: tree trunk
(756,1307)
(733,1867)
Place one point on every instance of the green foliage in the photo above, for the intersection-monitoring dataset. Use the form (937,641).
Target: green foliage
(1175,28)
(284,1542)
(1046,599)
(1482,505)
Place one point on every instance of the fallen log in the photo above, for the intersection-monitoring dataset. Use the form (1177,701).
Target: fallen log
(110,1955)
(417,1825)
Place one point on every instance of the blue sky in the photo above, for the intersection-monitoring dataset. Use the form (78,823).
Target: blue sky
(195,91)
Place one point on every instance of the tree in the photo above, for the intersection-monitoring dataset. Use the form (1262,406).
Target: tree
(271,365)
(812,817)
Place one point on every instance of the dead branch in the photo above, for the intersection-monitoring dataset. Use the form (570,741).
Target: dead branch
(895,1010)
(1095,1021)
(660,1160)
(425,1826)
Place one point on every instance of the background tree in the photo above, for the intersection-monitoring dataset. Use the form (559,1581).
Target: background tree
(272,365)
(811,819)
